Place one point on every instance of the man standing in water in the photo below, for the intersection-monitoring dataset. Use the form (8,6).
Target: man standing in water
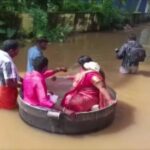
(131,54)
(8,75)
(36,51)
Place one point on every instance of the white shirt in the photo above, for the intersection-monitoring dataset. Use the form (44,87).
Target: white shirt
(7,68)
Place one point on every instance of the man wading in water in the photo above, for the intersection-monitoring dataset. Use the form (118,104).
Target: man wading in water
(131,54)
(9,78)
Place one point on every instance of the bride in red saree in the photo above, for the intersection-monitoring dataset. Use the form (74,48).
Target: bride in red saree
(89,89)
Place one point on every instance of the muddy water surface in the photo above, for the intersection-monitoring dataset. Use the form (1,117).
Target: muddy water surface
(131,128)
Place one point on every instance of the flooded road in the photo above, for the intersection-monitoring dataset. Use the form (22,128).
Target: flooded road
(131,128)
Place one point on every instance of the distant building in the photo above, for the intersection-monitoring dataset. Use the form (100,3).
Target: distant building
(142,6)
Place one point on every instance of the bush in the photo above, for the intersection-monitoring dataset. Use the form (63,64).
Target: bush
(79,6)
(40,20)
(72,6)
(9,25)
(59,33)
(109,17)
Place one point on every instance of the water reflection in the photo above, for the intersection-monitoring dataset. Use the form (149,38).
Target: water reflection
(124,119)
(144,73)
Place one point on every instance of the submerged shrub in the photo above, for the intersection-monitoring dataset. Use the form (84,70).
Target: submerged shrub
(59,33)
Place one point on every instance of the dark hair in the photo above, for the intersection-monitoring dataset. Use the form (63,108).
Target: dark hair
(83,59)
(132,37)
(39,63)
(42,39)
(10,44)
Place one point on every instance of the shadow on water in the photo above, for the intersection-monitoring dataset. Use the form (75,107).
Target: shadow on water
(123,119)
(121,80)
(144,73)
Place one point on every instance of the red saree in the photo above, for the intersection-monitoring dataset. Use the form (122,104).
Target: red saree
(84,94)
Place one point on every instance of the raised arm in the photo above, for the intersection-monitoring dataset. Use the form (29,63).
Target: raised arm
(50,73)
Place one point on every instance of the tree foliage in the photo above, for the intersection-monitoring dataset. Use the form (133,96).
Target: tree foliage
(108,15)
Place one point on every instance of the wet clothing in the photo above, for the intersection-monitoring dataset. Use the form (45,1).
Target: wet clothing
(123,52)
(33,53)
(131,69)
(8,97)
(84,94)
(8,71)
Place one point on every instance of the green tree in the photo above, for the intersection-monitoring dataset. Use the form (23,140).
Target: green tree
(109,16)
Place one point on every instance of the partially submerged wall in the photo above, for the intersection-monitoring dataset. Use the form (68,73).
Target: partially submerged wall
(80,22)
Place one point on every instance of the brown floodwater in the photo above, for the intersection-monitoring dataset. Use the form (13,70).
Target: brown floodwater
(131,127)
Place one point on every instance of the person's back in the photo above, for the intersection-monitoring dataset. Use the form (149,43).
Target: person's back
(33,52)
(88,89)
(29,83)
(34,84)
(34,88)
(8,75)
(129,53)
(36,51)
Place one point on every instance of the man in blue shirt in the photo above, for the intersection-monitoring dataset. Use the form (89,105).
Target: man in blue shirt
(36,51)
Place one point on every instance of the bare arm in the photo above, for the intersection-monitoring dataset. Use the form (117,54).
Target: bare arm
(99,84)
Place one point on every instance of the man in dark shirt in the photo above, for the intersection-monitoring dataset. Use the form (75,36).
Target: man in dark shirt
(127,65)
